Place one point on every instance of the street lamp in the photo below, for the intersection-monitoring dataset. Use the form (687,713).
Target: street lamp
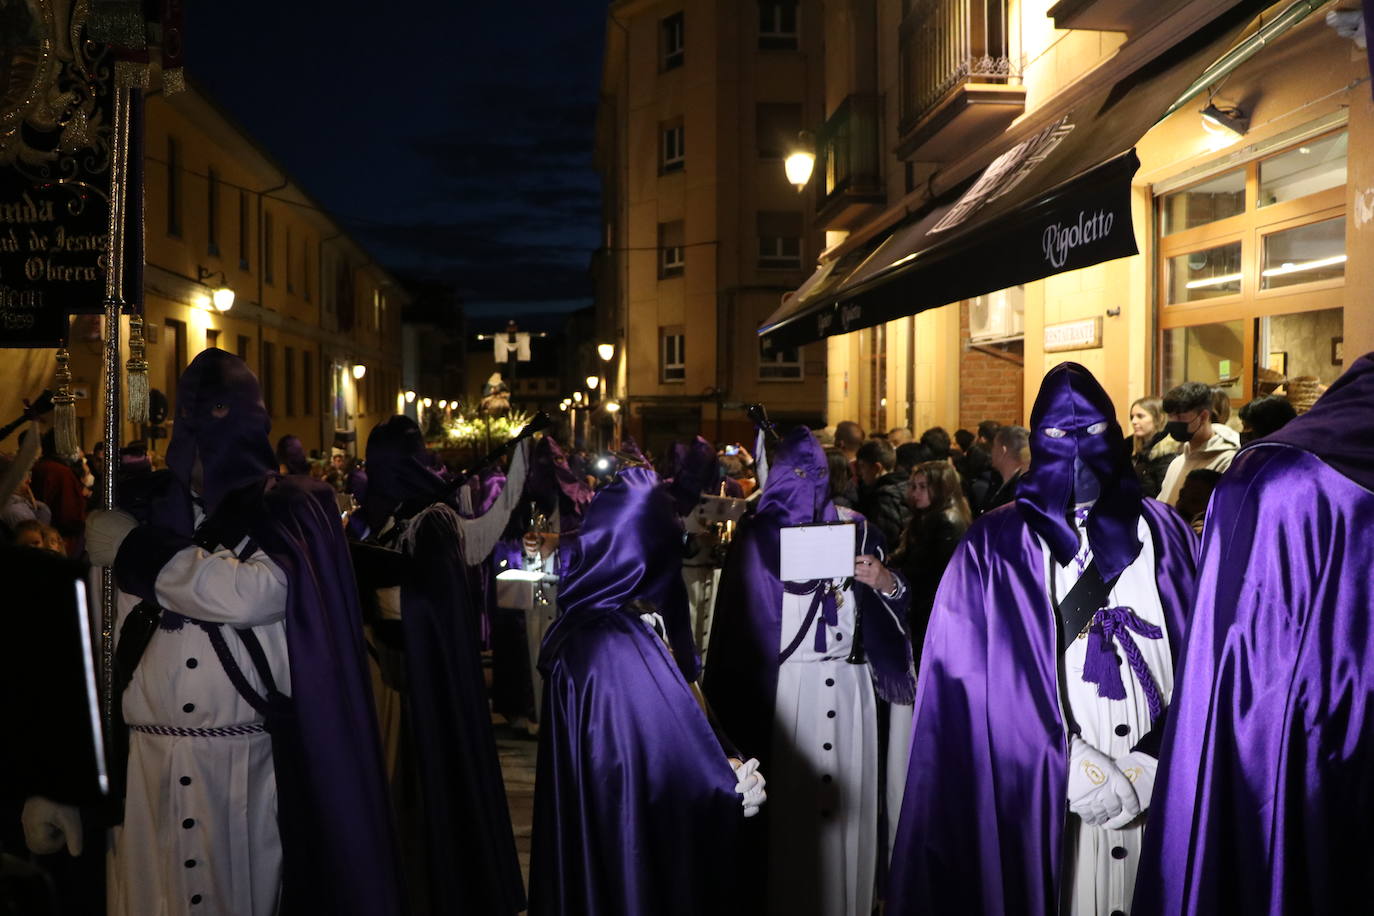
(801,160)
(443,405)
(593,381)
(427,402)
(359,370)
(577,397)
(410,397)
(222,297)
(612,406)
(605,351)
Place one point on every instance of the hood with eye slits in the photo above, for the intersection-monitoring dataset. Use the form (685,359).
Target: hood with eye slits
(798,487)
(220,417)
(1078,456)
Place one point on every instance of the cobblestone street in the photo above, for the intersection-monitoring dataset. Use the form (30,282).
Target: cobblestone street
(517,769)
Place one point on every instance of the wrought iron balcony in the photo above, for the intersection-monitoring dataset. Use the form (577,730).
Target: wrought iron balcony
(959,78)
(848,164)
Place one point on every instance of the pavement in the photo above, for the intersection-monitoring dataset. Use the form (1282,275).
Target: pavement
(518,754)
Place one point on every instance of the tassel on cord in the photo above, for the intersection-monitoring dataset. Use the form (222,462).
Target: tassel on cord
(64,409)
(137,368)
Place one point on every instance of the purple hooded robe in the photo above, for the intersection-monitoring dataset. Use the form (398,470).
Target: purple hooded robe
(338,845)
(465,828)
(982,820)
(635,810)
(1264,802)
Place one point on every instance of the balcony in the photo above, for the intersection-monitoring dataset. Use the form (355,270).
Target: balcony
(1108,15)
(959,81)
(848,163)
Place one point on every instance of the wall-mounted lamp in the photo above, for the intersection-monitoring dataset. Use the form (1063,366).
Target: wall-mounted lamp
(563,406)
(801,160)
(592,382)
(605,351)
(1218,121)
(427,402)
(612,406)
(410,397)
(443,405)
(359,370)
(577,397)
(221,296)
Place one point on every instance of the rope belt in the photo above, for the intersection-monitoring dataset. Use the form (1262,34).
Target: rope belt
(225,731)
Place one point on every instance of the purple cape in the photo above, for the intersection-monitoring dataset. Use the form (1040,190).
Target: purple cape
(635,811)
(338,844)
(742,678)
(468,839)
(983,814)
(1265,800)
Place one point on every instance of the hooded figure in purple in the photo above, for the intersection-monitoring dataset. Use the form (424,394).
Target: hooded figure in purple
(637,808)
(796,673)
(1265,802)
(255,776)
(451,801)
(1033,751)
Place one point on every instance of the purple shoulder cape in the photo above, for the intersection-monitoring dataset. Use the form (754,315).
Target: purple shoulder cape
(983,814)
(469,843)
(1266,795)
(338,842)
(635,810)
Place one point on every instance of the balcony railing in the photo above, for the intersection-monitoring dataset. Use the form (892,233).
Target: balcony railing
(947,43)
(848,160)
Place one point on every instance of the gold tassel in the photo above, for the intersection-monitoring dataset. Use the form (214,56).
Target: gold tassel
(64,409)
(137,368)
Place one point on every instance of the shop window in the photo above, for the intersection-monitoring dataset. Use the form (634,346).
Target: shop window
(674,44)
(777,25)
(1206,202)
(672,352)
(1205,274)
(1210,353)
(780,364)
(1306,254)
(1315,166)
(1301,346)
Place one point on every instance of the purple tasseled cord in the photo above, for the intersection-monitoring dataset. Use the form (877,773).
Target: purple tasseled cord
(1101,665)
(822,600)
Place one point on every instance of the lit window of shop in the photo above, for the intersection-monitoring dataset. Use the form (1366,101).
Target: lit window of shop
(1251,273)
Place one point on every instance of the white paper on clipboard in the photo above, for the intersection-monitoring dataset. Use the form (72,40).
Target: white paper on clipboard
(824,551)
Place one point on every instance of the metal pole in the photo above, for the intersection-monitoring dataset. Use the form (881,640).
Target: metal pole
(114,305)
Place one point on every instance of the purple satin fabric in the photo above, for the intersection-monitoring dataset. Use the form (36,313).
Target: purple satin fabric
(1072,401)
(1335,429)
(551,481)
(1266,795)
(605,565)
(983,815)
(635,812)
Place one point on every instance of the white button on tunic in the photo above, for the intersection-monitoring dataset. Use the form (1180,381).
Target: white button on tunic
(1105,861)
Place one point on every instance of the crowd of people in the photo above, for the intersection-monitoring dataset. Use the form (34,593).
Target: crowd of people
(818,673)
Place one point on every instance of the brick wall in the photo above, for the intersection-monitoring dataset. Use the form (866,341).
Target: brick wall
(990,386)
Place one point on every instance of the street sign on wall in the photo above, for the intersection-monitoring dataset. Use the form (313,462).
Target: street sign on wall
(1085,334)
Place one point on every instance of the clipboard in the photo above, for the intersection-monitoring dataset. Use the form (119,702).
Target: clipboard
(820,551)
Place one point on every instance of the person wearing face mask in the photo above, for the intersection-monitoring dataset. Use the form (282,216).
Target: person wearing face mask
(255,780)
(1045,682)
(1206,444)
(1152,448)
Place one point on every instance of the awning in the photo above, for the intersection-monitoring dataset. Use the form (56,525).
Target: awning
(1058,201)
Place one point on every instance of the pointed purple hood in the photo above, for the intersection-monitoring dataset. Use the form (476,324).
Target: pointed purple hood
(798,488)
(1077,456)
(1327,430)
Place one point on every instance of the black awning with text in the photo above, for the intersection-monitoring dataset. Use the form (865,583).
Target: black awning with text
(1060,200)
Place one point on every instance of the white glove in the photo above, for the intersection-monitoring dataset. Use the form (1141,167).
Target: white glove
(47,825)
(751,783)
(1140,769)
(106,529)
(1098,792)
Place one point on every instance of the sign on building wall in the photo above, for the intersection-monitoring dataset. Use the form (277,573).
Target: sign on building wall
(1085,334)
(55,111)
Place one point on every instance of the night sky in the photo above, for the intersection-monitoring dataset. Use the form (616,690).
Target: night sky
(452,138)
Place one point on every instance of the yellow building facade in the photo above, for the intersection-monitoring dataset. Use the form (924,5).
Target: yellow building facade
(313,315)
(701,101)
(1254,243)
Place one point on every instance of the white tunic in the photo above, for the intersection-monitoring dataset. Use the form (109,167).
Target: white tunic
(1105,861)
(823,783)
(200,830)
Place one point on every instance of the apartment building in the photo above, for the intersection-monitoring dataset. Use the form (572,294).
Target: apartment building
(701,102)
